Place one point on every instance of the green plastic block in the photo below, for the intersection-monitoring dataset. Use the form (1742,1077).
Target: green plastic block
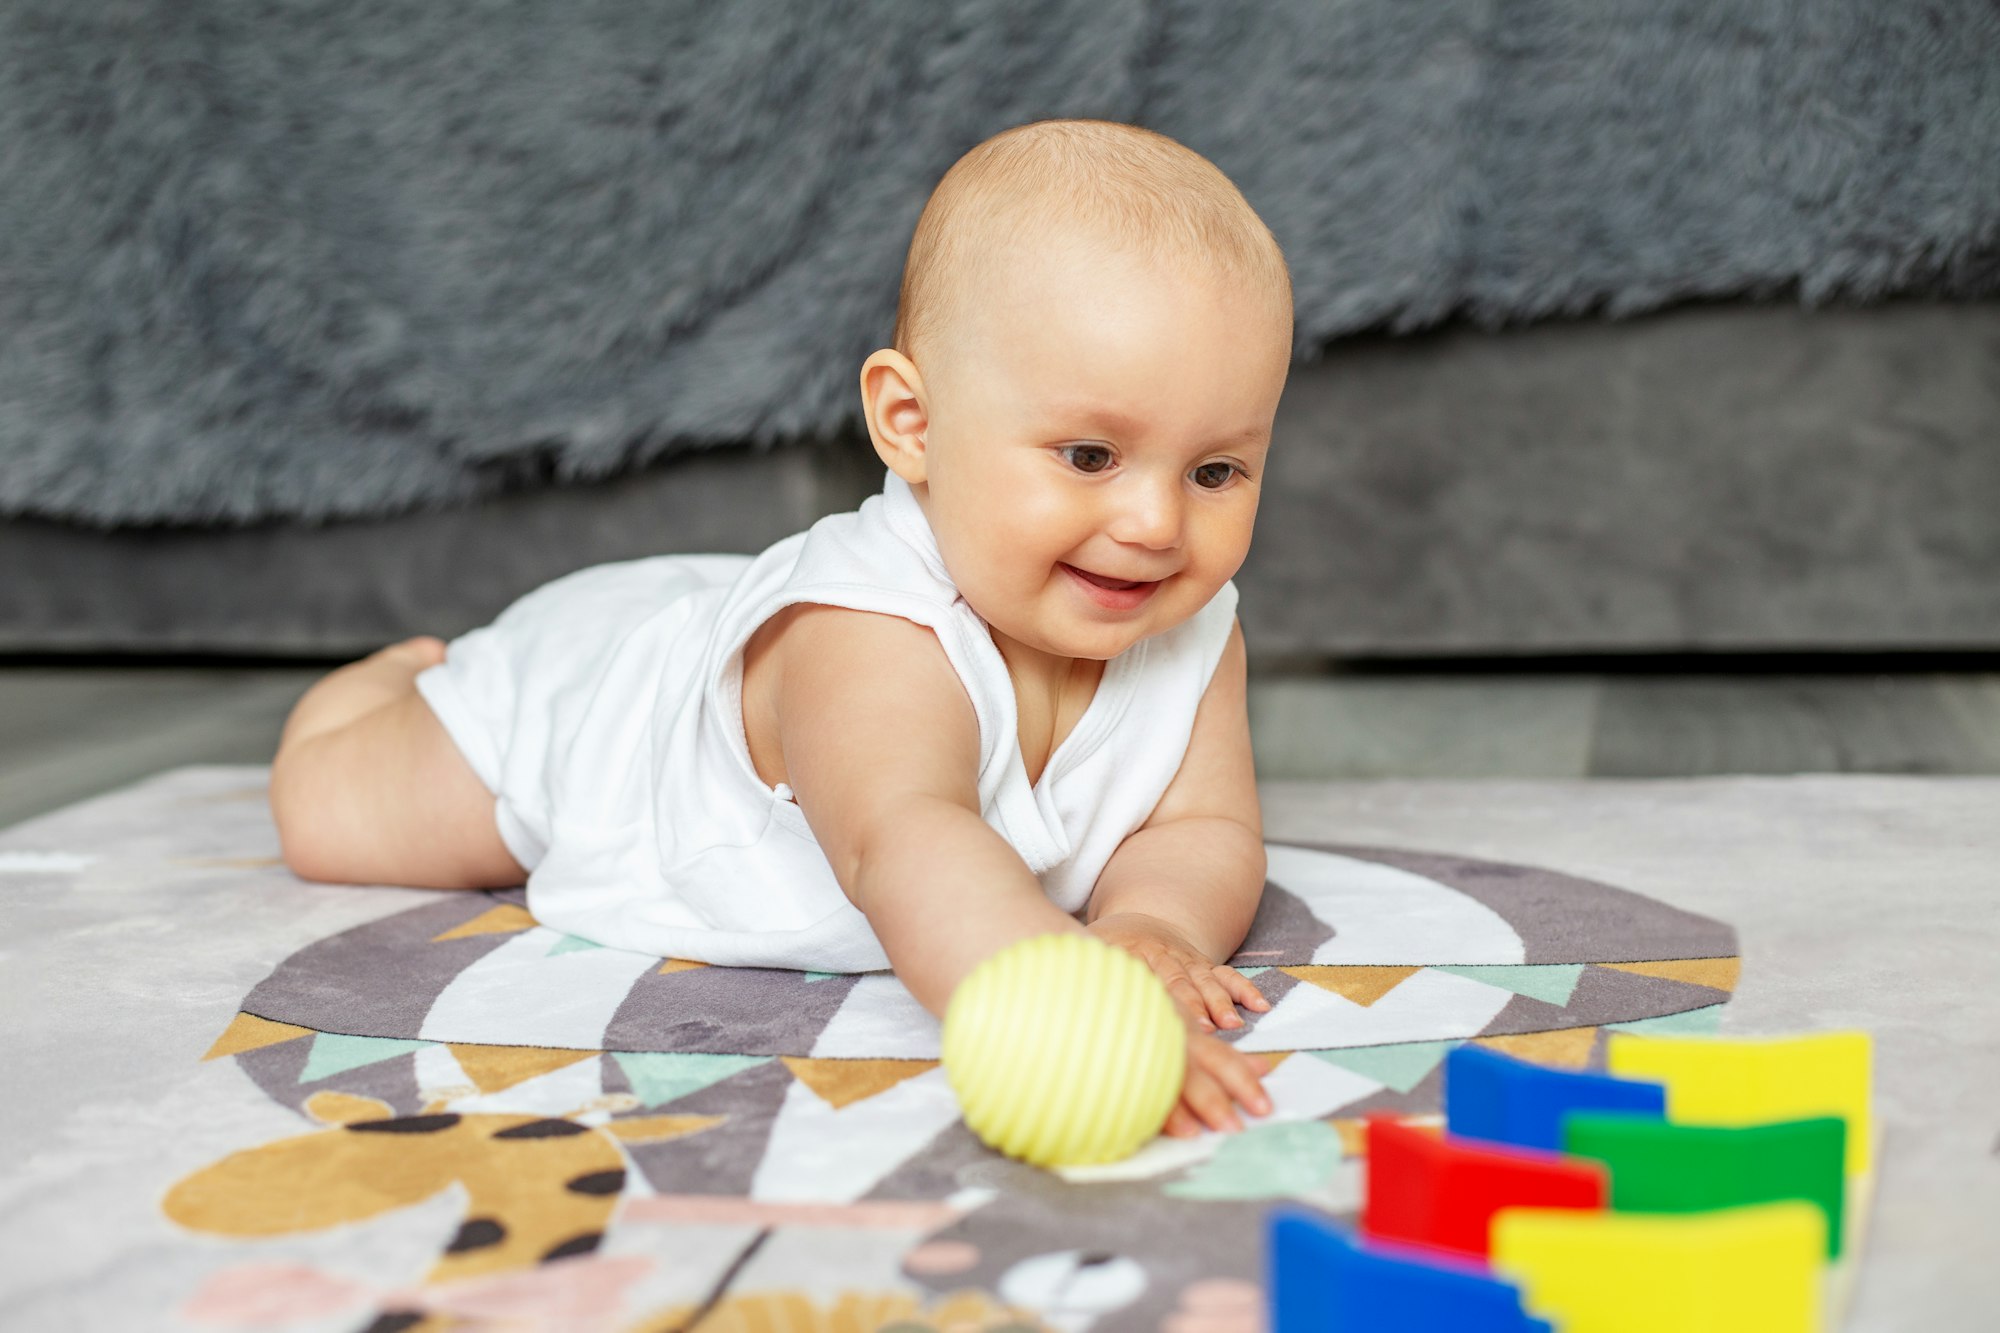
(1660,1167)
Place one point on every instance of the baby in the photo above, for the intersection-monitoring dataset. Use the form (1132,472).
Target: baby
(1003,698)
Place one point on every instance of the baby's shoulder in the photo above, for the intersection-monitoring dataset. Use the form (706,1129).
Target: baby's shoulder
(828,664)
(813,633)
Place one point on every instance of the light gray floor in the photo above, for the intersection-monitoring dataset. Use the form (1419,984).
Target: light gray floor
(68,732)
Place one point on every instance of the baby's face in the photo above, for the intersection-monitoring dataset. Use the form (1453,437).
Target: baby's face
(1101,422)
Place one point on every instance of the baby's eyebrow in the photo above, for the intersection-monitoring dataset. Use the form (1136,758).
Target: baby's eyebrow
(1101,416)
(1125,425)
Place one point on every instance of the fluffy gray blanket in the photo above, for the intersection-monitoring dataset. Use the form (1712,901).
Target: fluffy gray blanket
(340,259)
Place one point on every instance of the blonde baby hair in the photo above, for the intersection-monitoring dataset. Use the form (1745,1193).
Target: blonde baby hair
(1131,188)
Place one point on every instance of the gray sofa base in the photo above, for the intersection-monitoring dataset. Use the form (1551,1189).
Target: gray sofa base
(1711,479)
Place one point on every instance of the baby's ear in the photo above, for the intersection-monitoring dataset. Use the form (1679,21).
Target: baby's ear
(892,403)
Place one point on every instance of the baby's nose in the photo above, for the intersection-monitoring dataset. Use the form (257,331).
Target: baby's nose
(1150,516)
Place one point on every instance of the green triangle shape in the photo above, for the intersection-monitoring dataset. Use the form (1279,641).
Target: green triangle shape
(1269,1161)
(571,944)
(1252,971)
(658,1077)
(335,1053)
(1401,1066)
(821,976)
(1703,1022)
(1551,983)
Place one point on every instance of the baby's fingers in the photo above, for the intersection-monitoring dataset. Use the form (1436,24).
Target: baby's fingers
(1238,1074)
(1241,989)
(1186,995)
(1181,1122)
(1217,1006)
(1207,1101)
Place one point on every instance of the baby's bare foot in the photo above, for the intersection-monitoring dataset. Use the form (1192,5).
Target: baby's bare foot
(425,650)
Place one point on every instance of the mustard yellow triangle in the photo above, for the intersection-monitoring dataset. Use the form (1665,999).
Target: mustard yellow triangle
(501,920)
(492,1068)
(797,1311)
(1564,1048)
(1720,973)
(659,1128)
(970,1308)
(345,1108)
(1353,1130)
(1353,1135)
(247,1032)
(842,1082)
(876,1309)
(1363,985)
(679,965)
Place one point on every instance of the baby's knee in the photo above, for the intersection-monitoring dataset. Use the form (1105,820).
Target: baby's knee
(302,806)
(288,813)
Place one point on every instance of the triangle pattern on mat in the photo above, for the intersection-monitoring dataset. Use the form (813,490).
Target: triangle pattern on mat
(1363,984)
(344,1108)
(842,1082)
(495,1068)
(1703,1022)
(659,1128)
(1267,1161)
(658,1077)
(1716,973)
(247,1032)
(1560,1048)
(1551,983)
(1401,1066)
(818,1153)
(336,1053)
(502,920)
(571,944)
(672,965)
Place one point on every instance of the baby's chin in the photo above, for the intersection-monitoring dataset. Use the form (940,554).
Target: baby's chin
(1084,642)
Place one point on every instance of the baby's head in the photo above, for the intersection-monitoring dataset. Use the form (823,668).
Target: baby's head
(1093,335)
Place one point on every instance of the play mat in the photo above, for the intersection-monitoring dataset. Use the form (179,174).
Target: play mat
(414,1110)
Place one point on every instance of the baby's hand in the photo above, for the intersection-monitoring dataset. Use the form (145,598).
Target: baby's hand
(1206,993)
(1218,1077)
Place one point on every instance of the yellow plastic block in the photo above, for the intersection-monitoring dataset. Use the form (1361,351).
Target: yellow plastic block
(1755,1080)
(1731,1270)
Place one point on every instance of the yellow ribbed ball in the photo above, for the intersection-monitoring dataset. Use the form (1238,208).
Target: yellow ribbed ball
(1064,1051)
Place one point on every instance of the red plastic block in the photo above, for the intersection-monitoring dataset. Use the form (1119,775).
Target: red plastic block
(1425,1189)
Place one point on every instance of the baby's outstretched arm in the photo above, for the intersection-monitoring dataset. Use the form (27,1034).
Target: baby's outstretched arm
(881,747)
(1181,890)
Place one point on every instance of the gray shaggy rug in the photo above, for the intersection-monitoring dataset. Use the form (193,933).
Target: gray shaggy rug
(331,260)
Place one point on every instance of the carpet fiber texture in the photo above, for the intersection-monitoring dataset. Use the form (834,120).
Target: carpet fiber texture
(570,1122)
(302,260)
(240,1101)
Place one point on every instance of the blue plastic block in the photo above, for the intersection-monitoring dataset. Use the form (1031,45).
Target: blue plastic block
(1322,1279)
(1488,1095)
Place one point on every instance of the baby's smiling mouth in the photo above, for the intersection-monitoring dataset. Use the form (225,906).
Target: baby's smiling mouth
(1116,585)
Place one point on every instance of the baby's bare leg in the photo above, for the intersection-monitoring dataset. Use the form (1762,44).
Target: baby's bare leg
(367,787)
(360,687)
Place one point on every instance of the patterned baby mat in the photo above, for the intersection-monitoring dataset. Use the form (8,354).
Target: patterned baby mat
(782,1150)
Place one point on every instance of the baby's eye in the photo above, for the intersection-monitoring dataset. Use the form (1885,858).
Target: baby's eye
(1203,474)
(1087,457)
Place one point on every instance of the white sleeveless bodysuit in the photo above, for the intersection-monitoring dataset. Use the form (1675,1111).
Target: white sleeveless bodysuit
(604,710)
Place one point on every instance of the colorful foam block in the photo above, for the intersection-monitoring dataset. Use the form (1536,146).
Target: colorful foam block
(1424,1189)
(1755,1080)
(1734,1270)
(1658,1167)
(1488,1095)
(1319,1279)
